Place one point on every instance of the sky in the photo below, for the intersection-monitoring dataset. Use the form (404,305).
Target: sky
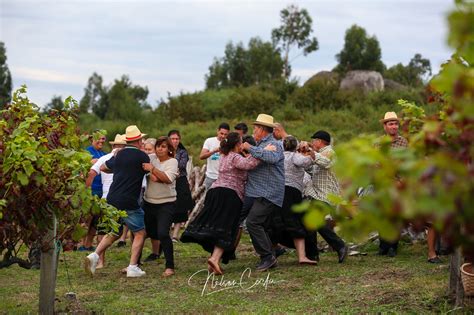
(54,46)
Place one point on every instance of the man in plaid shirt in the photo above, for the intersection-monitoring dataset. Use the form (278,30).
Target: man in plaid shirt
(390,125)
(324,182)
(266,185)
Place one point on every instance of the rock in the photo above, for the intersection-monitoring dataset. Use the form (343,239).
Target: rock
(366,81)
(333,77)
(393,85)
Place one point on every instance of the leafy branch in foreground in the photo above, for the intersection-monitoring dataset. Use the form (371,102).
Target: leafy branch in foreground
(42,167)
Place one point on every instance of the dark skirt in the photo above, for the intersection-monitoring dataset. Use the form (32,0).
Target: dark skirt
(286,224)
(218,222)
(184,200)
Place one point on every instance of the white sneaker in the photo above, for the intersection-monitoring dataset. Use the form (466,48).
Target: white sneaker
(90,263)
(134,272)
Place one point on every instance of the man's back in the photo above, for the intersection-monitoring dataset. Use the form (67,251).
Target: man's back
(128,176)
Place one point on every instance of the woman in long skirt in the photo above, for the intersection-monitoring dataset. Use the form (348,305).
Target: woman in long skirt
(184,201)
(215,228)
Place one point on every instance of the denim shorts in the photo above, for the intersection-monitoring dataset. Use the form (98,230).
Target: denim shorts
(135,220)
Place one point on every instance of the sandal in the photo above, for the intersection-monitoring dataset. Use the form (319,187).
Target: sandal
(435,260)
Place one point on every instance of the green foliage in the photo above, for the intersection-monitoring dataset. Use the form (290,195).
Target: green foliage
(412,74)
(5,78)
(56,103)
(317,95)
(360,52)
(431,180)
(295,30)
(259,64)
(251,101)
(95,97)
(126,100)
(42,167)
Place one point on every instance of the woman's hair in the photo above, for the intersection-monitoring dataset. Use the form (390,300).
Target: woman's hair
(162,139)
(151,141)
(290,143)
(249,139)
(229,143)
(176,132)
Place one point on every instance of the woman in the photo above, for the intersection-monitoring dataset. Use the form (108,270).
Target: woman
(215,228)
(159,198)
(288,224)
(184,201)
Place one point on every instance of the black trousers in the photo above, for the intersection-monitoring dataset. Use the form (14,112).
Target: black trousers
(328,234)
(257,220)
(158,219)
(386,245)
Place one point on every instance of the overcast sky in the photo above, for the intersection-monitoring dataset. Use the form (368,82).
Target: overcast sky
(54,46)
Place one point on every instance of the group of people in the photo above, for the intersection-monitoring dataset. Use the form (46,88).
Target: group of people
(251,182)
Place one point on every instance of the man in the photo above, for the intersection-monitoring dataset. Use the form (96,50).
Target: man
(124,192)
(324,182)
(95,149)
(210,151)
(390,125)
(266,184)
(241,128)
(117,144)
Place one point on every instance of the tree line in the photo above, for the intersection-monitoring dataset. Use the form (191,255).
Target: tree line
(264,67)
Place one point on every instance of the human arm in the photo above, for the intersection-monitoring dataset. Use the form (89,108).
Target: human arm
(245,163)
(324,160)
(207,149)
(271,157)
(301,160)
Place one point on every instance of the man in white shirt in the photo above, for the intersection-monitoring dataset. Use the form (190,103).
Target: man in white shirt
(106,178)
(210,151)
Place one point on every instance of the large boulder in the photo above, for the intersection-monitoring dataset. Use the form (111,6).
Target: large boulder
(391,85)
(324,76)
(366,81)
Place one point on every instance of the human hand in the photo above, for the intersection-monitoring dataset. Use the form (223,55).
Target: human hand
(147,167)
(270,147)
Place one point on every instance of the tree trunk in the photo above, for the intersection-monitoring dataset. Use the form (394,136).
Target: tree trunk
(455,285)
(48,272)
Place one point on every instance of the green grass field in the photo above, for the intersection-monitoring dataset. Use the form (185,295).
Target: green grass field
(406,284)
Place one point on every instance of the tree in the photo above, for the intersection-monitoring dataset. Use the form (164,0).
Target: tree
(55,104)
(43,195)
(413,74)
(360,52)
(125,100)
(258,64)
(295,30)
(95,97)
(5,78)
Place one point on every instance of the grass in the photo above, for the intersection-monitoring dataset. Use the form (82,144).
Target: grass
(405,284)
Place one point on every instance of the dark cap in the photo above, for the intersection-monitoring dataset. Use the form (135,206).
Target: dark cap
(323,135)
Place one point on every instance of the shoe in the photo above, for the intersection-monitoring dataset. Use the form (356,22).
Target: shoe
(280,251)
(174,240)
(342,254)
(86,249)
(90,263)
(121,244)
(151,257)
(266,264)
(135,272)
(382,252)
(392,252)
(435,260)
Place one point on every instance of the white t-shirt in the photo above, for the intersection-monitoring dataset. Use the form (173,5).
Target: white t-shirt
(105,177)
(212,169)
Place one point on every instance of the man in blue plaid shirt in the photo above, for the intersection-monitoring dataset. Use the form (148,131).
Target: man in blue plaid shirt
(266,185)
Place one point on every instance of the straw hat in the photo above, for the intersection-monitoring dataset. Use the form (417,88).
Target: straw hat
(265,120)
(119,139)
(132,133)
(389,116)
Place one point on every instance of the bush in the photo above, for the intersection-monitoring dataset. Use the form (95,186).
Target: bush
(251,101)
(316,95)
